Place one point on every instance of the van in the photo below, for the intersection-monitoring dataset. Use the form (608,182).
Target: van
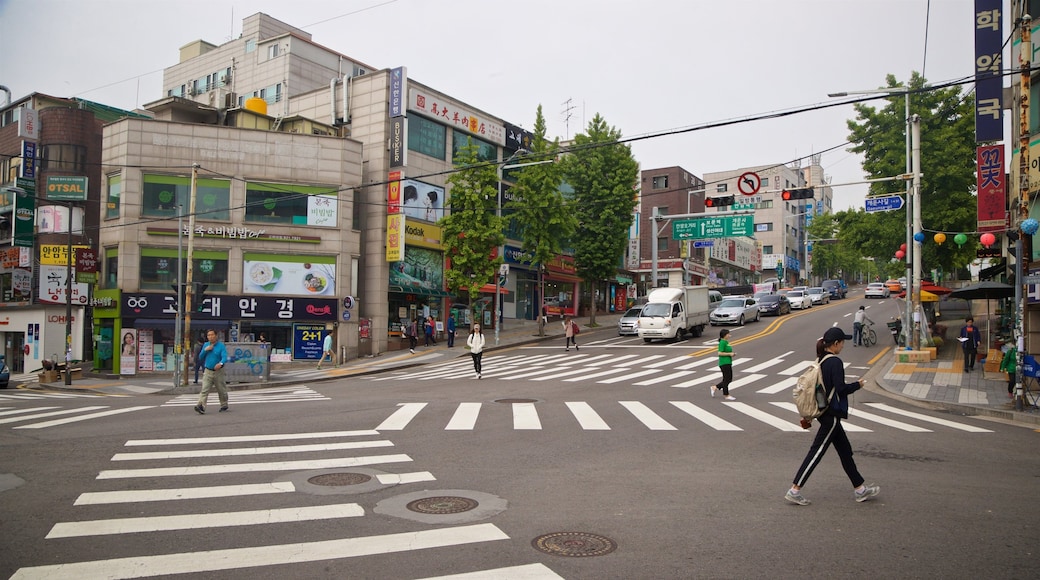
(836,288)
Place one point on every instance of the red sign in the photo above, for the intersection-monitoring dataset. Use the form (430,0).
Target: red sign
(992,188)
(393,193)
(86,260)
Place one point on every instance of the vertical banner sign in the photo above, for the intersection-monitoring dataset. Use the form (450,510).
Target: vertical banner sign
(992,188)
(393,193)
(29,124)
(398,151)
(28,166)
(988,47)
(86,266)
(398,90)
(395,237)
(25,212)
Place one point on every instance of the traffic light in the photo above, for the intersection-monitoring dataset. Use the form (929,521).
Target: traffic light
(718,201)
(178,294)
(789,194)
(200,296)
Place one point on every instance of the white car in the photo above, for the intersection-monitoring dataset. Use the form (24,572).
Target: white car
(799,299)
(876,290)
(735,310)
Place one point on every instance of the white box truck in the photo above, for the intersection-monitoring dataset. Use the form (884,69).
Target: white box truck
(674,313)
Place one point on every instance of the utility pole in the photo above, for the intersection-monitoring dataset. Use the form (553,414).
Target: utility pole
(191,252)
(1025,55)
(915,288)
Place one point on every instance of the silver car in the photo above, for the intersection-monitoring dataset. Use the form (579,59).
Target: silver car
(799,299)
(626,325)
(876,290)
(819,295)
(734,311)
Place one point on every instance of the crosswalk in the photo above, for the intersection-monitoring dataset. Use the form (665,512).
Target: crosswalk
(670,416)
(292,394)
(32,417)
(160,479)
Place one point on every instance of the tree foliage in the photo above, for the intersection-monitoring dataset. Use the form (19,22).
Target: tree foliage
(603,174)
(948,203)
(472,229)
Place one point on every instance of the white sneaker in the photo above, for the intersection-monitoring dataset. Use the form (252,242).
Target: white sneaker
(713,390)
(730,398)
(478,376)
(869,491)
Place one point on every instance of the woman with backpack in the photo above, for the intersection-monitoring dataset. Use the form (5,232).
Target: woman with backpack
(570,331)
(832,370)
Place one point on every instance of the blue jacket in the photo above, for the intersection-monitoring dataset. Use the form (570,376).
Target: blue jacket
(833,371)
(212,357)
(973,336)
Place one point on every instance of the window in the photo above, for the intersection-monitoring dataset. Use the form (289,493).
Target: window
(660,182)
(272,51)
(159,269)
(288,204)
(427,137)
(765,182)
(163,193)
(115,189)
(767,249)
(722,188)
(271,94)
(63,158)
(662,244)
(111,266)
(224,77)
(250,45)
(485,151)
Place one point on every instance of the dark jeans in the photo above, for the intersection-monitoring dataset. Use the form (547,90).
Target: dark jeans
(727,378)
(969,358)
(412,342)
(830,432)
(857,333)
(451,338)
(477,356)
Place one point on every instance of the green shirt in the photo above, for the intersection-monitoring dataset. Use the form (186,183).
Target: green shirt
(724,347)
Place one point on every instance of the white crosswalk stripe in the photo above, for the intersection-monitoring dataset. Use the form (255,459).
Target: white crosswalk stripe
(25,395)
(292,394)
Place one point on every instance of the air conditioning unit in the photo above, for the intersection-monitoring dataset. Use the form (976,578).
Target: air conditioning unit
(190,92)
(230,101)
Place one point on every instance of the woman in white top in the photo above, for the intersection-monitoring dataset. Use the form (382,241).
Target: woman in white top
(475,342)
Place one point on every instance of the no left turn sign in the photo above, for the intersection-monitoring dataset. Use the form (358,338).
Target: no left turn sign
(749,183)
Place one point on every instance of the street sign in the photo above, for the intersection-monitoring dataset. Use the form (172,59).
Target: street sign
(748,183)
(717,227)
(884,203)
(1031,279)
(703,243)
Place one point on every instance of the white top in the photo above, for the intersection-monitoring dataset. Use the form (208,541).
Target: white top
(475,342)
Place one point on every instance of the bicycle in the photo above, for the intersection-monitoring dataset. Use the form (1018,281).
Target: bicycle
(868,336)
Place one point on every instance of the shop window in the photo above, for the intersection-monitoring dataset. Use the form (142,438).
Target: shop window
(485,151)
(287,204)
(427,137)
(163,193)
(115,189)
(111,268)
(63,157)
(159,269)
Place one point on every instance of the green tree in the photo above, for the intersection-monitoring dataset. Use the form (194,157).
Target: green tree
(604,175)
(948,202)
(539,207)
(472,229)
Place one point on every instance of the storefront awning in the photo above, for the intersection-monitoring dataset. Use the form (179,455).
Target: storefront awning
(420,291)
(490,289)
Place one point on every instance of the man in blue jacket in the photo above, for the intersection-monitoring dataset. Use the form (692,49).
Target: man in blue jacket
(970,339)
(214,357)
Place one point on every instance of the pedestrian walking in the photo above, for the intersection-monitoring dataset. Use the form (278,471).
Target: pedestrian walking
(196,355)
(430,325)
(725,365)
(857,326)
(570,330)
(411,330)
(451,330)
(214,357)
(326,351)
(1009,364)
(475,344)
(970,339)
(832,371)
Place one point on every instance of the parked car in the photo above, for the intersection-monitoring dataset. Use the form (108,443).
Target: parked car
(836,288)
(758,295)
(5,375)
(819,295)
(893,285)
(876,290)
(626,325)
(735,310)
(799,299)
(774,305)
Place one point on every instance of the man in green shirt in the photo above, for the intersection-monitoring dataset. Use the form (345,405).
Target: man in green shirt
(725,365)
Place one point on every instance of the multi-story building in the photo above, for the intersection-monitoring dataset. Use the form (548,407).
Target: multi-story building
(669,191)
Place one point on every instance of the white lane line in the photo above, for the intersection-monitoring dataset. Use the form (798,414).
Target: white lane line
(465,417)
(647,417)
(618,359)
(567,374)
(234,558)
(525,374)
(704,361)
(781,386)
(522,572)
(664,379)
(845,424)
(587,418)
(51,414)
(594,375)
(400,478)
(240,451)
(766,418)
(78,418)
(498,371)
(249,438)
(629,376)
(586,359)
(401,417)
(525,416)
(698,381)
(769,363)
(647,359)
(199,521)
(926,418)
(709,419)
(796,369)
(142,495)
(671,361)
(29,410)
(744,381)
(252,467)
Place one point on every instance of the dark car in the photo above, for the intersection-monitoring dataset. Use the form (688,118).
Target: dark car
(5,375)
(835,288)
(774,305)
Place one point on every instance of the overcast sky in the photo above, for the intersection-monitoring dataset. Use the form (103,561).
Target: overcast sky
(647,66)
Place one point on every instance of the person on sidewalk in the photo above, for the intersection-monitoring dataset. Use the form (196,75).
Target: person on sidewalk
(196,355)
(326,351)
(451,330)
(410,330)
(475,344)
(725,365)
(430,325)
(832,372)
(1009,364)
(970,339)
(214,357)
(857,326)
(570,331)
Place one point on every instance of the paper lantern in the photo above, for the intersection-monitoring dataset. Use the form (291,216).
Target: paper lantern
(902,247)
(1030,226)
(960,239)
(987,239)
(919,237)
(900,254)
(939,238)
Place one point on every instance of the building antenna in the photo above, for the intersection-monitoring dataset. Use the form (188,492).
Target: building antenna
(568,106)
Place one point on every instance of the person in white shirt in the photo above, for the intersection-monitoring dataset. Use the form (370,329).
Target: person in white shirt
(857,326)
(475,343)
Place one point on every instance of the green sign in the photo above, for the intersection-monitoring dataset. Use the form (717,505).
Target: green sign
(67,188)
(737,206)
(25,213)
(716,227)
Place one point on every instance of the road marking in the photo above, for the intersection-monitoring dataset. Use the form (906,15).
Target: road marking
(577,371)
(465,417)
(594,375)
(699,363)
(772,362)
(142,495)
(248,438)
(525,416)
(29,410)
(400,419)
(629,376)
(889,422)
(239,451)
(664,379)
(587,418)
(253,467)
(623,357)
(50,414)
(81,418)
(697,381)
(666,362)
(524,572)
(765,417)
(937,421)
(523,374)
(705,417)
(506,371)
(844,423)
(279,555)
(782,385)
(208,520)
(647,417)
(400,478)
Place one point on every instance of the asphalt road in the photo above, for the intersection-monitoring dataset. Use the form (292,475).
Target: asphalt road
(618,443)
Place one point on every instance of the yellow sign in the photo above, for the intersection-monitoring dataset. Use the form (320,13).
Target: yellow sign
(424,235)
(1034,170)
(395,237)
(58,255)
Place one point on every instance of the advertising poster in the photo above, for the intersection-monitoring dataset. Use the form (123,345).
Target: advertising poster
(322,211)
(144,351)
(307,341)
(420,269)
(128,352)
(286,278)
(422,200)
(53,286)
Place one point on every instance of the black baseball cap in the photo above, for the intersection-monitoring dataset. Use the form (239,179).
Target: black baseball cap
(834,334)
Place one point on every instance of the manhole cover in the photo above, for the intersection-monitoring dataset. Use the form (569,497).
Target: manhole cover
(442,505)
(513,401)
(338,479)
(574,544)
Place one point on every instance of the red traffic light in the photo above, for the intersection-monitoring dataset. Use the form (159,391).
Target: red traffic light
(790,194)
(718,201)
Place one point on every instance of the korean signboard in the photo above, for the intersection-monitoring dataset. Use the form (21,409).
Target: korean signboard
(717,227)
(989,125)
(991,188)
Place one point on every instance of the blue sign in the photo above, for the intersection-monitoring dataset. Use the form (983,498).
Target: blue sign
(308,340)
(703,243)
(885,203)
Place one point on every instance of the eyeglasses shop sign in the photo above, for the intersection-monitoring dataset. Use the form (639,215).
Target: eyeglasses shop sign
(155,305)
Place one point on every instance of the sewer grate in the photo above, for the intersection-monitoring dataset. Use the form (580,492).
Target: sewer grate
(445,504)
(574,544)
(339,479)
